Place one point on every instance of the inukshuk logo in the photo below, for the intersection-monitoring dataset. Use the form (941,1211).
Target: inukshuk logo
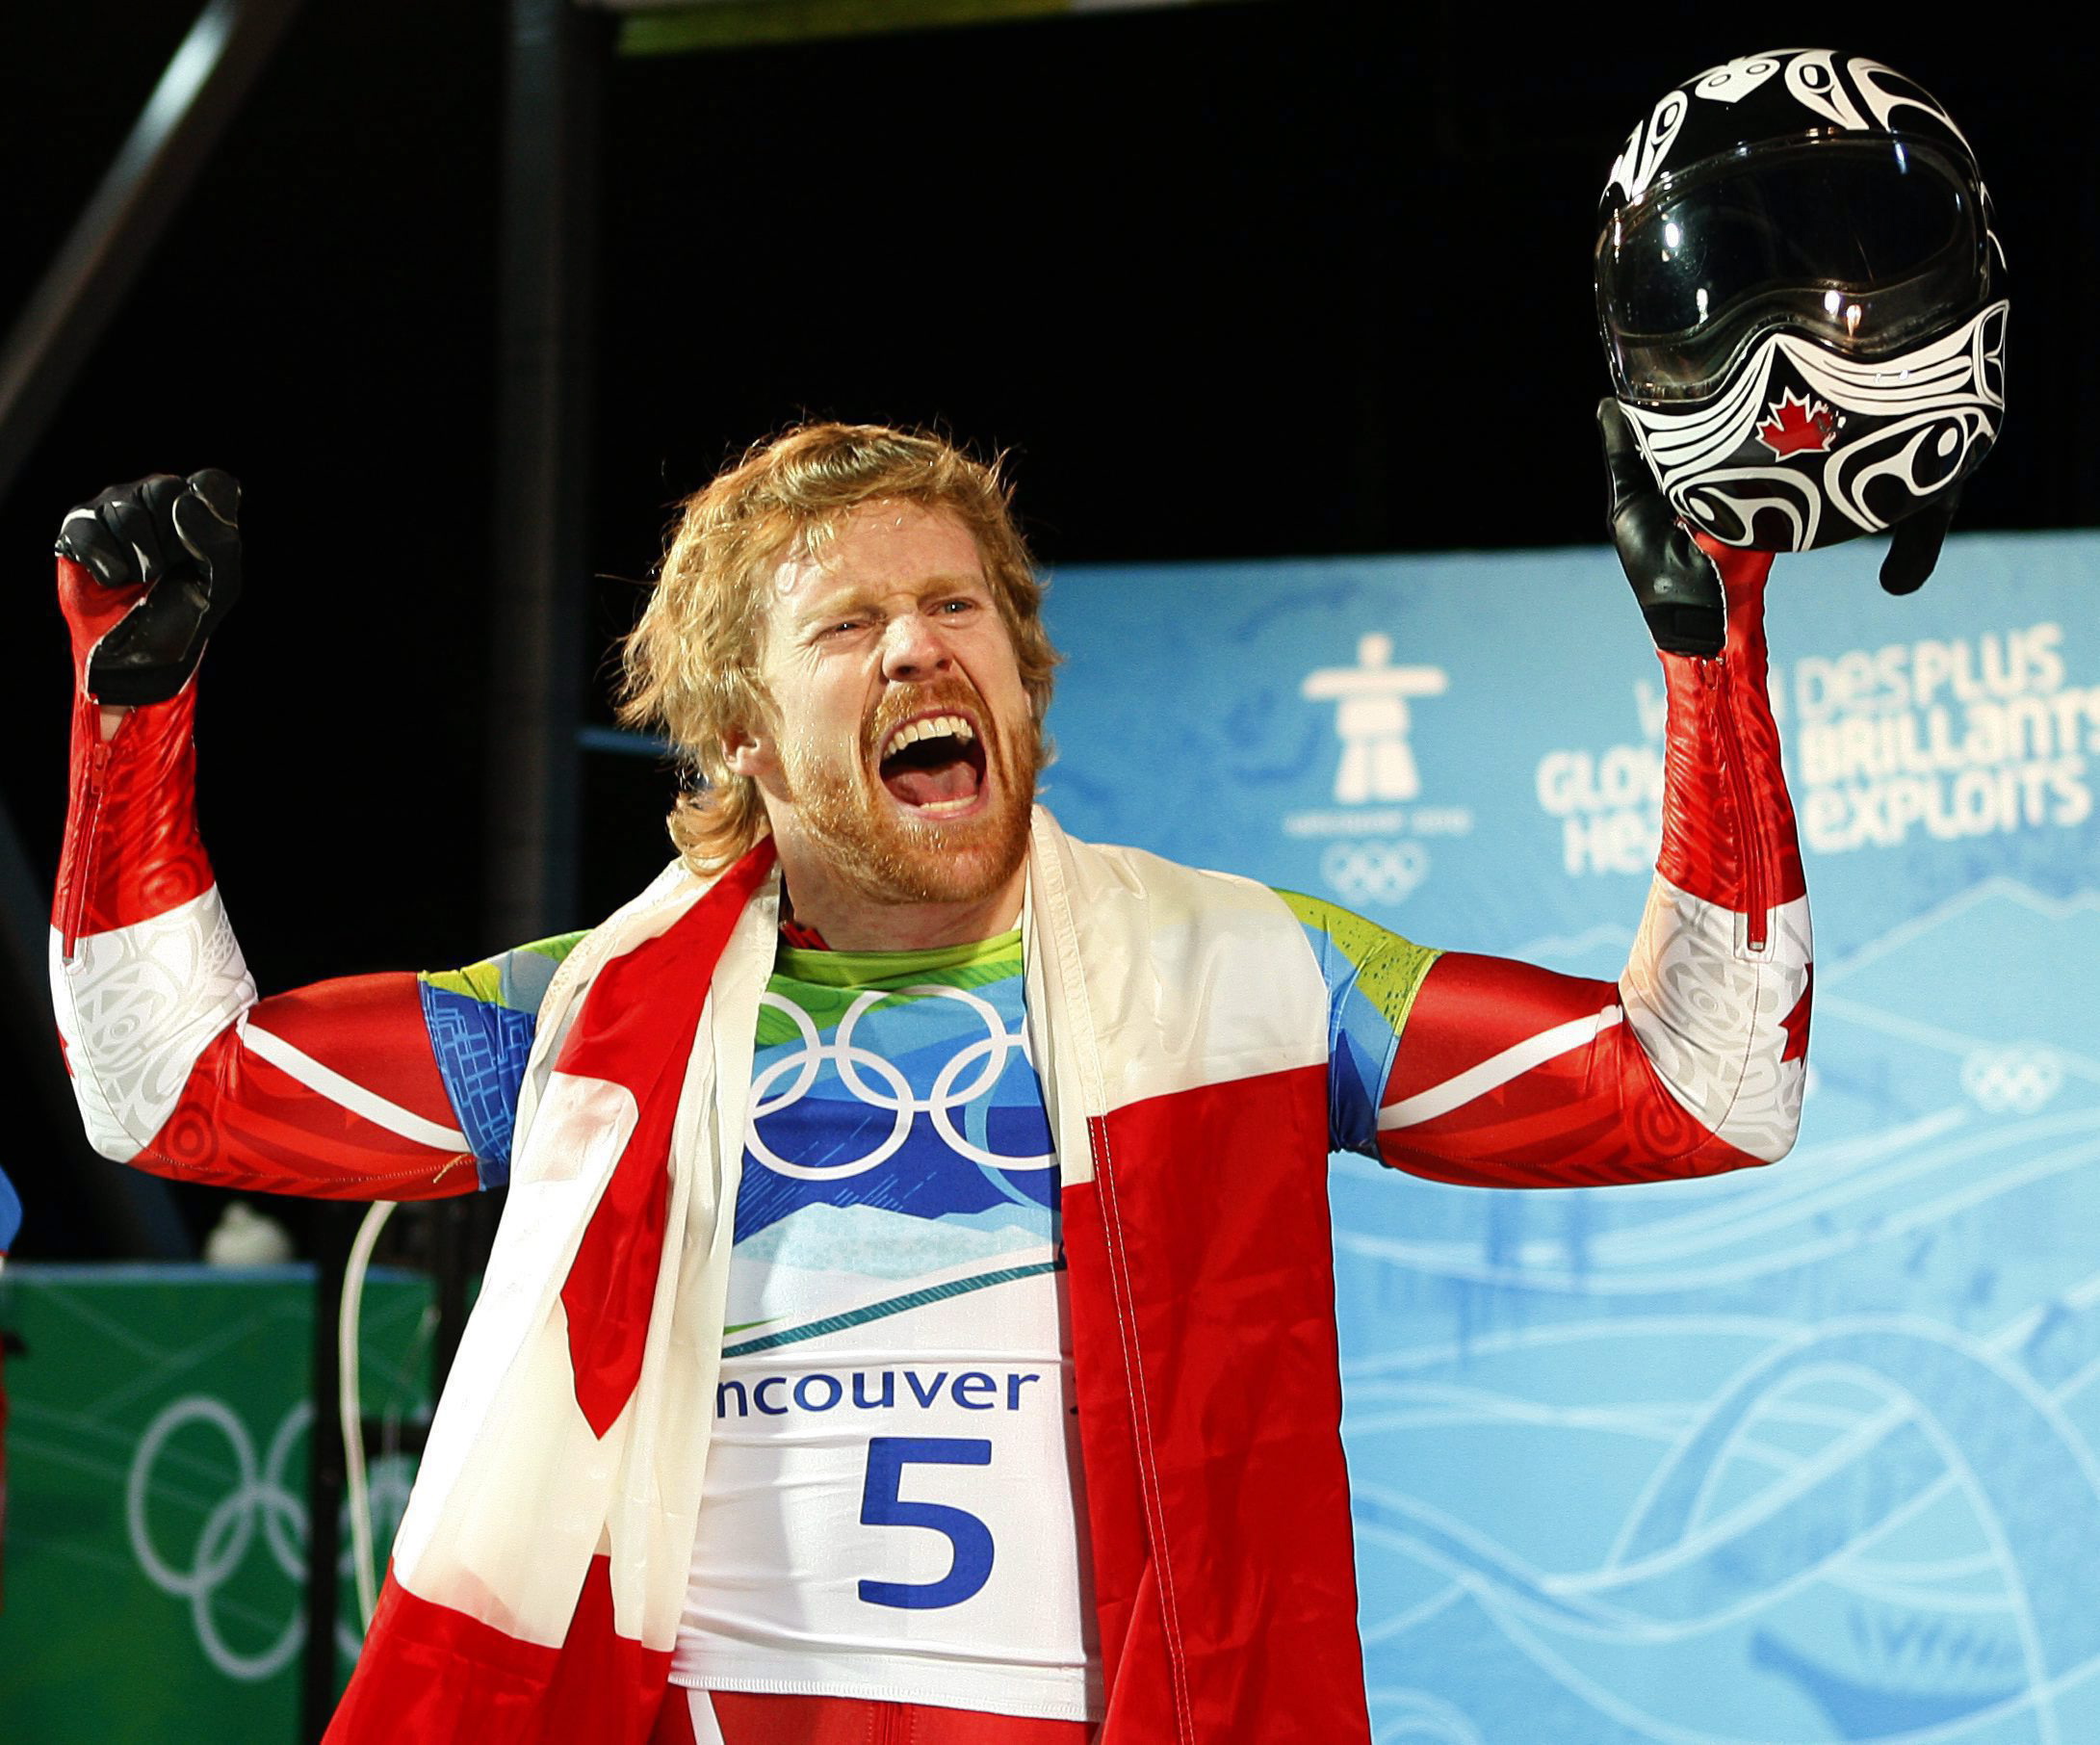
(1377,768)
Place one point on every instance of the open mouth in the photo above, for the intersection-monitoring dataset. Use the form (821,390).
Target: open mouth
(934,765)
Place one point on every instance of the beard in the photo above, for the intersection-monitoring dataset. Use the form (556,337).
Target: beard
(876,844)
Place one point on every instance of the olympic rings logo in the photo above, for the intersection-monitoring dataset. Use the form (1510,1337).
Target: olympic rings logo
(2013,1080)
(985,1059)
(1375,872)
(258,1498)
(258,1501)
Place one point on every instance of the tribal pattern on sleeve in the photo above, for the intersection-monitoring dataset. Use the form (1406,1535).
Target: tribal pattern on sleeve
(333,1091)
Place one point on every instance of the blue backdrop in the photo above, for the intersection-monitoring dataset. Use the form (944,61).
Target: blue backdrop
(1804,1453)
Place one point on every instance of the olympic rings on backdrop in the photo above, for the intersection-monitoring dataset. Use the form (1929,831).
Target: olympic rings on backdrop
(2012,1081)
(1375,872)
(256,1497)
(229,1528)
(984,1059)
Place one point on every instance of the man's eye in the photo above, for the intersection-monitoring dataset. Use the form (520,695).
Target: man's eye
(954,608)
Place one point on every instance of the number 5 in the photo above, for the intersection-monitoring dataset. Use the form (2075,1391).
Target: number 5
(882,1506)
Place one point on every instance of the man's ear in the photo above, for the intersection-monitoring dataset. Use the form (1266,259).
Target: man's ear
(744,752)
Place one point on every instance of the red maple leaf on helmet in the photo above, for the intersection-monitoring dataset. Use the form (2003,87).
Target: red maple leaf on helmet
(1797,426)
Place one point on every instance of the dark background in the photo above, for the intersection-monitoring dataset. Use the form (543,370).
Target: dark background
(1280,277)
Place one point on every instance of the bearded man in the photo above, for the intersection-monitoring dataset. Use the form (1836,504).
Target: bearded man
(912,1317)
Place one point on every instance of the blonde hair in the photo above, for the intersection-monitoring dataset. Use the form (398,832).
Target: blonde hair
(690,663)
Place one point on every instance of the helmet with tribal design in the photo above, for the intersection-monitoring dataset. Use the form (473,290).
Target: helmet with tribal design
(1803,299)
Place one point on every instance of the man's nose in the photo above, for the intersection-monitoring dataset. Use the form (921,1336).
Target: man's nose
(914,649)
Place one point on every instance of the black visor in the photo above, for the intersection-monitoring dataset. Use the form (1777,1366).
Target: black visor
(1864,243)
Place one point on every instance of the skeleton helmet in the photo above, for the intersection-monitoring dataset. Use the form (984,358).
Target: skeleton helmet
(1803,299)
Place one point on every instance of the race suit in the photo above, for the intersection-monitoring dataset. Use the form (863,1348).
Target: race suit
(1461,1068)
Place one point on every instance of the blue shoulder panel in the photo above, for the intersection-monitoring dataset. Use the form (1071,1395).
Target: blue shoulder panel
(481,1021)
(1372,977)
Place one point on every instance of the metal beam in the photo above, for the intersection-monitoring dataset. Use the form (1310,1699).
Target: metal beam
(98,262)
(557,63)
(669,27)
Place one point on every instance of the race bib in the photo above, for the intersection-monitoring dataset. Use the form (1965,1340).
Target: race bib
(888,1508)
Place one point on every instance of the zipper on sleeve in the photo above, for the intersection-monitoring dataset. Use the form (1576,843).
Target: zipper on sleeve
(87,819)
(1748,836)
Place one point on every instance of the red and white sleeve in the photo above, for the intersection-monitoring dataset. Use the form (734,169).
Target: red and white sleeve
(177,1068)
(1693,1061)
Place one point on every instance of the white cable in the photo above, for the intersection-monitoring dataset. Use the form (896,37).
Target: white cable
(356,1490)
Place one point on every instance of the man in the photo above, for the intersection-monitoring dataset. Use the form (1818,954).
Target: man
(913,1312)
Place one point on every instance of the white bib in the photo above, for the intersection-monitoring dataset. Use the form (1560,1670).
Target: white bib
(889,1507)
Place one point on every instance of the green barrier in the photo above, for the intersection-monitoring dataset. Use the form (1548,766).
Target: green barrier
(155,1562)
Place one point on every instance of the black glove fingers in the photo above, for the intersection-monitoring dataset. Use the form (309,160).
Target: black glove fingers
(83,538)
(1676,583)
(219,491)
(1625,471)
(1913,548)
(1639,520)
(139,516)
(215,542)
(208,537)
(181,535)
(131,523)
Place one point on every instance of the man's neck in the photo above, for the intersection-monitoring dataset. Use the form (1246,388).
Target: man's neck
(850,921)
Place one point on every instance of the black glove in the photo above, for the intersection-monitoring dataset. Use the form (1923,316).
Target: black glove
(1676,581)
(176,544)
(1913,548)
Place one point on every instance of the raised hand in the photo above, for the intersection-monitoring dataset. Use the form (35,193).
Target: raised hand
(1674,578)
(151,569)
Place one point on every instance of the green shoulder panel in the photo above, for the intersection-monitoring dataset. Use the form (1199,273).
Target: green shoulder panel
(1388,968)
(515,979)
